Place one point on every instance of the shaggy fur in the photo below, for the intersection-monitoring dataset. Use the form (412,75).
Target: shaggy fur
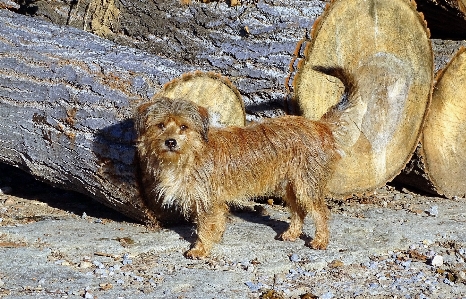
(201,170)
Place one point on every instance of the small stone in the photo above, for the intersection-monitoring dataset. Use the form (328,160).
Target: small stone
(102,272)
(85,265)
(252,286)
(99,265)
(327,295)
(105,286)
(437,261)
(433,211)
(84,216)
(295,258)
(336,264)
(461,276)
(427,242)
(88,296)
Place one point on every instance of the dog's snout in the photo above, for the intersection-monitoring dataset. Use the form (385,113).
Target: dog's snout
(171,143)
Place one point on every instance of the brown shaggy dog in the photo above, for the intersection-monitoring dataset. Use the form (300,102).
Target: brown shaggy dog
(200,169)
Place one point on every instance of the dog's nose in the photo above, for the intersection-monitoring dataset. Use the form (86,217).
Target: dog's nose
(170,143)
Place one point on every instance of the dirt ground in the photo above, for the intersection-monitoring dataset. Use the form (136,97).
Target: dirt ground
(395,243)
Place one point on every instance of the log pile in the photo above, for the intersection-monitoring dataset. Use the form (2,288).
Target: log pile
(67,97)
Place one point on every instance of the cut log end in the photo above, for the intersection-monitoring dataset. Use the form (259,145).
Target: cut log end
(212,91)
(444,141)
(385,47)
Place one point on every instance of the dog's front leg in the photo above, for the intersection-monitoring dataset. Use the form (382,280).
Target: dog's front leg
(210,228)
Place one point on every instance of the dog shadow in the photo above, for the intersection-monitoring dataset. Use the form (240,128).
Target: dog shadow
(259,217)
(187,230)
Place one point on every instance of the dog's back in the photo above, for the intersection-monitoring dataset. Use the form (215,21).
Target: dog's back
(263,158)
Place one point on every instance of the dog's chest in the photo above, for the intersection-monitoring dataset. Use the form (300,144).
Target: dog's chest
(178,188)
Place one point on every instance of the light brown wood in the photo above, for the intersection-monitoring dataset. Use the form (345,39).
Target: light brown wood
(212,91)
(443,140)
(384,47)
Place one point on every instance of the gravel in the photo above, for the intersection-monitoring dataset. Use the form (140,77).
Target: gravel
(393,243)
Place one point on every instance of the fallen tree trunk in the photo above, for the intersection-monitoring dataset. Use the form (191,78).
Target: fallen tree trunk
(66,102)
(67,97)
(252,44)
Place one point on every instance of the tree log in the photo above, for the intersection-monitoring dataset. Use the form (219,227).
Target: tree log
(252,44)
(384,52)
(439,165)
(67,97)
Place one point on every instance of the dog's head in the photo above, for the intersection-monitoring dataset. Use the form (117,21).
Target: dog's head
(170,128)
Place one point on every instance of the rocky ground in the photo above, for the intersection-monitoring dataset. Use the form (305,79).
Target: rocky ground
(392,244)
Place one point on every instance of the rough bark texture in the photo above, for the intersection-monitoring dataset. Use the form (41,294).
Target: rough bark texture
(250,43)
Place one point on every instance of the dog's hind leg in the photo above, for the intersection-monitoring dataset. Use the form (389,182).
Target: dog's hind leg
(297,216)
(320,214)
(312,202)
(210,228)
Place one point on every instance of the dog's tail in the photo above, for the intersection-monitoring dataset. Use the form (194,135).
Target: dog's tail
(344,118)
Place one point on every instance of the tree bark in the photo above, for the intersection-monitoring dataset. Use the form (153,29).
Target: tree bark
(66,104)
(239,42)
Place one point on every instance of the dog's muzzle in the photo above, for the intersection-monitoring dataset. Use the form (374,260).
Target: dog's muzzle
(171,144)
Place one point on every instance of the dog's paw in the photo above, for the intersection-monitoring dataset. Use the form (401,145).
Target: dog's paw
(318,244)
(290,235)
(195,254)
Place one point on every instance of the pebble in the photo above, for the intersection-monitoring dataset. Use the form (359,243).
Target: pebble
(84,216)
(461,276)
(327,295)
(255,287)
(433,211)
(126,260)
(437,261)
(295,258)
(99,264)
(85,265)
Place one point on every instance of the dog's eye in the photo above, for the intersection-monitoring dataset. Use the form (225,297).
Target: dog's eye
(161,126)
(183,127)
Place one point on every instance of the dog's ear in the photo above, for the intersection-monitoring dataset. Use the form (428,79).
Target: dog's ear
(205,122)
(140,118)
